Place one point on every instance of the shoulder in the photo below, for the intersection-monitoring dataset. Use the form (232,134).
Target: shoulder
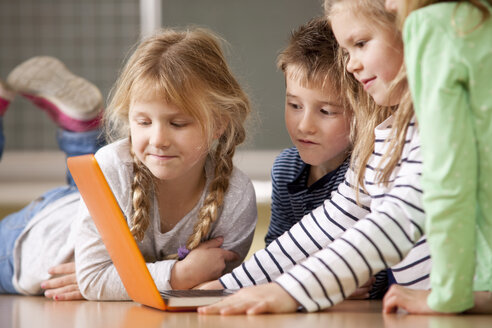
(451,19)
(439,12)
(117,166)
(240,182)
(114,153)
(240,192)
(422,24)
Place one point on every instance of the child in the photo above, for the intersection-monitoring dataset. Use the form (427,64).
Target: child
(318,121)
(178,115)
(181,114)
(75,105)
(448,58)
(375,217)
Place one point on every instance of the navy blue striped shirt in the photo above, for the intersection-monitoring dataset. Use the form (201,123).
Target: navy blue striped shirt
(291,197)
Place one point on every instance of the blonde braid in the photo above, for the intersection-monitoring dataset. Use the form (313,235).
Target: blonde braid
(142,187)
(209,212)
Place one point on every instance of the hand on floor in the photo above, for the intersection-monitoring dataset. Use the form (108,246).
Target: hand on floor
(410,300)
(269,298)
(63,287)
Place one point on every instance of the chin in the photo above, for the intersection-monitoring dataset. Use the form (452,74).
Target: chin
(309,160)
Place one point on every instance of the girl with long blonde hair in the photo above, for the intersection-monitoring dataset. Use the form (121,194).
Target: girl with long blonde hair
(374,221)
(177,115)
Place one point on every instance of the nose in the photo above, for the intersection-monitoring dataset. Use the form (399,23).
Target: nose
(353,64)
(159,137)
(307,123)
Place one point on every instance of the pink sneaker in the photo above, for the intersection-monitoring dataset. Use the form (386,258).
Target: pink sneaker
(72,102)
(6,96)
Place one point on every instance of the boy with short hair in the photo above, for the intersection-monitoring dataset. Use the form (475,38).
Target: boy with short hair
(317,118)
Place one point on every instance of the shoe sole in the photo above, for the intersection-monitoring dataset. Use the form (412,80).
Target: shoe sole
(47,82)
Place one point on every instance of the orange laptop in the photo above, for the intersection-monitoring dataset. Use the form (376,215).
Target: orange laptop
(121,246)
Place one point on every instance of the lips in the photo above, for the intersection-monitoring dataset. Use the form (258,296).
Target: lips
(162,157)
(367,82)
(306,142)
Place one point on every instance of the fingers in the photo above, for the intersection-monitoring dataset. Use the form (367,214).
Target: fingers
(271,298)
(64,287)
(390,304)
(411,300)
(230,256)
(59,282)
(212,243)
(392,300)
(238,303)
(210,309)
(228,306)
(369,282)
(64,268)
(72,296)
(66,293)
(262,307)
(360,293)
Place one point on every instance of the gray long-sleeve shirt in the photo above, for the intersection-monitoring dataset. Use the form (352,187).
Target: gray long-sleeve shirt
(96,274)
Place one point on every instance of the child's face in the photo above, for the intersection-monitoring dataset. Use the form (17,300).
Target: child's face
(317,125)
(167,141)
(375,54)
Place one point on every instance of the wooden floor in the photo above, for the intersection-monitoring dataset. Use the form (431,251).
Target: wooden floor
(24,312)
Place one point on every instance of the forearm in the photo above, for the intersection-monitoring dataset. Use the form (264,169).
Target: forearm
(333,274)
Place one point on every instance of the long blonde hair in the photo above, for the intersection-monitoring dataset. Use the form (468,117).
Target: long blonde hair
(368,115)
(187,69)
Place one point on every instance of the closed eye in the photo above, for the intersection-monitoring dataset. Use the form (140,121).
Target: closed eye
(294,105)
(179,124)
(360,44)
(143,122)
(329,112)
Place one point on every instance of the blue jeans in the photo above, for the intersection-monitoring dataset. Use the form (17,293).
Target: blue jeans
(73,144)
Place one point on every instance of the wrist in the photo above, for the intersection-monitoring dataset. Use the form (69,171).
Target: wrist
(179,276)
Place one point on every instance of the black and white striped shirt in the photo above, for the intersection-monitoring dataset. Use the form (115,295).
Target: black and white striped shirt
(350,242)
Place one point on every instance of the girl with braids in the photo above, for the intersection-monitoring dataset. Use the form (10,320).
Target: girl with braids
(448,55)
(374,221)
(175,120)
(177,115)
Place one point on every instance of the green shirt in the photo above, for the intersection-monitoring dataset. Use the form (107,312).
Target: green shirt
(449,69)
